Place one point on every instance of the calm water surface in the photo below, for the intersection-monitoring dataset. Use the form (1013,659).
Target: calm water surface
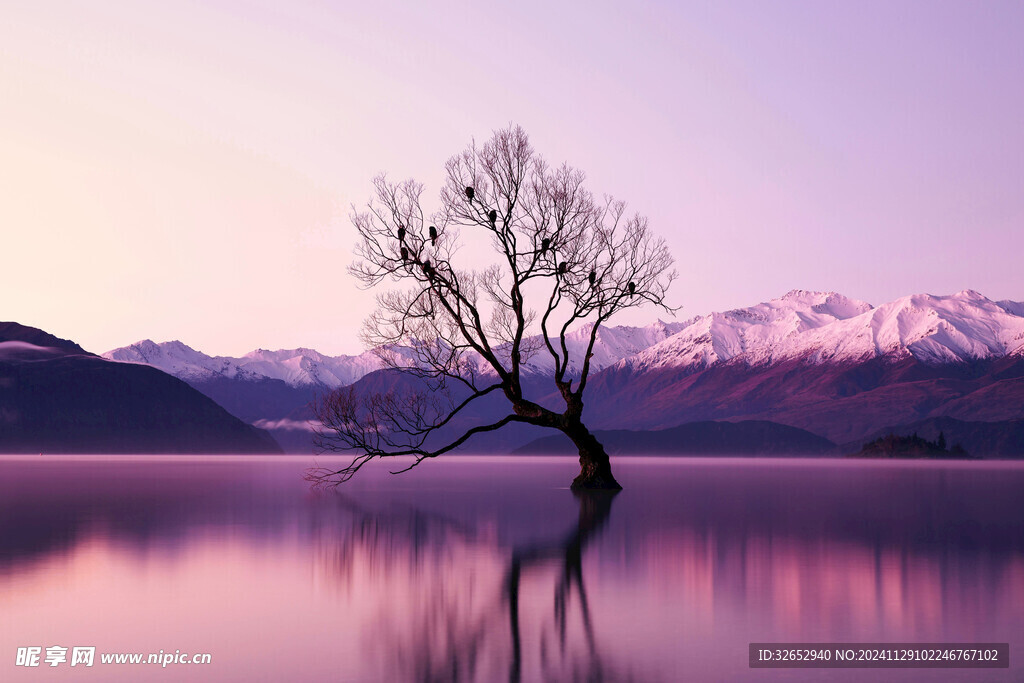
(489,569)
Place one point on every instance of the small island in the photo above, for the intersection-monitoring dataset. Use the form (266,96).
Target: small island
(914,446)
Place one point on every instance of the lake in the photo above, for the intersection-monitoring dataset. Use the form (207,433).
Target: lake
(490,569)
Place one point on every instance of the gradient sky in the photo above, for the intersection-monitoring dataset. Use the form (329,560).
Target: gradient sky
(185,170)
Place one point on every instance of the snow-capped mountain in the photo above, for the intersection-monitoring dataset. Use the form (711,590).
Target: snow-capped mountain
(828,327)
(836,367)
(815,326)
(613,344)
(295,367)
(310,368)
(299,367)
(820,361)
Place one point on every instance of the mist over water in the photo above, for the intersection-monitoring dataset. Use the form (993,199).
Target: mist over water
(489,568)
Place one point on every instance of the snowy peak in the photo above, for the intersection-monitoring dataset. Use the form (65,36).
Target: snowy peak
(754,332)
(172,357)
(1012,307)
(296,367)
(824,303)
(934,329)
(302,366)
(611,345)
(825,327)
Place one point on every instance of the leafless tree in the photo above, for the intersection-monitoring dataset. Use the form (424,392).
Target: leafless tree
(562,258)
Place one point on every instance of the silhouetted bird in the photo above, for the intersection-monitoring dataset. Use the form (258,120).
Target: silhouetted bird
(433,235)
(405,254)
(593,278)
(428,269)
(492,216)
(401,234)
(562,268)
(632,288)
(469,193)
(544,244)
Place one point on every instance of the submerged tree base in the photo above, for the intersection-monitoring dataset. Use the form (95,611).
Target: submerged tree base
(595,476)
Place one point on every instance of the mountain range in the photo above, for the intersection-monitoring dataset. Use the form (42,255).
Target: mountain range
(811,360)
(295,368)
(834,366)
(300,368)
(826,327)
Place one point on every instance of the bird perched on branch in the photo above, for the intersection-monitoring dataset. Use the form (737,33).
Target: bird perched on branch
(632,288)
(563,267)
(545,244)
(492,216)
(593,278)
(433,235)
(401,234)
(405,254)
(469,193)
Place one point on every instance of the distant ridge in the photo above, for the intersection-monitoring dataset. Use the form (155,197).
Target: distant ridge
(305,367)
(747,437)
(295,367)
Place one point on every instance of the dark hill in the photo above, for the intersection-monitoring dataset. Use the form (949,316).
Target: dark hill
(252,400)
(844,402)
(10,331)
(65,400)
(750,437)
(914,446)
(998,439)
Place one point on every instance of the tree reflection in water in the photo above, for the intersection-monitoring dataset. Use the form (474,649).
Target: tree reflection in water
(452,604)
(594,510)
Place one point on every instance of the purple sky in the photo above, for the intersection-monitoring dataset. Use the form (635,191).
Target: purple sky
(184,170)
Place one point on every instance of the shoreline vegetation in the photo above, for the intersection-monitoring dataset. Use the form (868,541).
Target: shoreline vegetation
(913,446)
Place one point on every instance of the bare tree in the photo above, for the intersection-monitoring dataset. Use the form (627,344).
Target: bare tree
(562,259)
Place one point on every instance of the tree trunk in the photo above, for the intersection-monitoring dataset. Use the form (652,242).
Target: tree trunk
(595,467)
